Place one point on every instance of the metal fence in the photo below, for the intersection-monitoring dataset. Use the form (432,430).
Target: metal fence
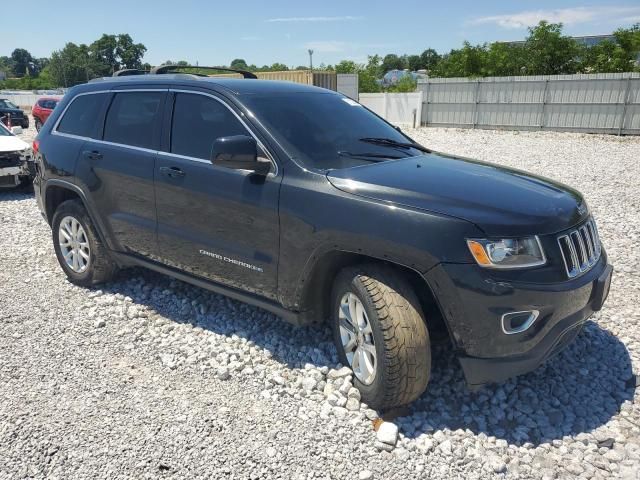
(598,103)
(25,100)
(399,108)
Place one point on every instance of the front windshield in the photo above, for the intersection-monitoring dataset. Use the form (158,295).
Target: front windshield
(3,131)
(7,104)
(325,131)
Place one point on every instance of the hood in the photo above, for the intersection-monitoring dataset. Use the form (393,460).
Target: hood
(12,144)
(13,111)
(499,200)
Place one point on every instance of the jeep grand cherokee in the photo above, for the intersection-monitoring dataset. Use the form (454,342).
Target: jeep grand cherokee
(301,201)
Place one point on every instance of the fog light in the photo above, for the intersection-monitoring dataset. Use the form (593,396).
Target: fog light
(518,322)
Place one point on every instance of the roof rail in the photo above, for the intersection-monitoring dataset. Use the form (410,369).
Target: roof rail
(169,69)
(128,71)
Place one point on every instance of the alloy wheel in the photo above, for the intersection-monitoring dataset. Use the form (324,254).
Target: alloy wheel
(357,338)
(74,244)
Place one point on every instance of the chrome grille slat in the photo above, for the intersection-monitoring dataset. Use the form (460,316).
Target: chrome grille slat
(580,249)
(588,242)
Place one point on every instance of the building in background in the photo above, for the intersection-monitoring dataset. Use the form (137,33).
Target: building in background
(394,76)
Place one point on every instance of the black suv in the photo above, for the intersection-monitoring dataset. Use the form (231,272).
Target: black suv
(11,113)
(301,201)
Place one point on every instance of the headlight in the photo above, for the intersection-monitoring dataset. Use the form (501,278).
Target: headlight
(507,252)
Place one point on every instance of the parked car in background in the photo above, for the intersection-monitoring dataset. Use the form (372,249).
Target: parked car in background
(42,109)
(16,161)
(18,117)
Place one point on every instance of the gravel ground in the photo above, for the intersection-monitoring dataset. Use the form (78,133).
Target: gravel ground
(149,377)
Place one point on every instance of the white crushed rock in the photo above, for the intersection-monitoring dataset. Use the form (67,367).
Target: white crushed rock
(148,377)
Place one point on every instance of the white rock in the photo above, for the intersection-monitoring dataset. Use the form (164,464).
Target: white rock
(341,373)
(353,404)
(387,433)
(223,373)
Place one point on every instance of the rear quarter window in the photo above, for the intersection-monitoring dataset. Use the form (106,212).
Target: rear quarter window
(81,115)
(133,118)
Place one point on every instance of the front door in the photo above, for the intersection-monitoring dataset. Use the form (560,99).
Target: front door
(214,222)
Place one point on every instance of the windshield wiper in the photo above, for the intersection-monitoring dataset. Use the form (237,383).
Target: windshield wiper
(370,155)
(393,143)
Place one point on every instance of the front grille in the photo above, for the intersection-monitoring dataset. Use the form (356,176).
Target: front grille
(10,159)
(580,249)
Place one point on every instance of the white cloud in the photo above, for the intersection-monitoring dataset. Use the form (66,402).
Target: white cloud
(345,18)
(567,16)
(326,46)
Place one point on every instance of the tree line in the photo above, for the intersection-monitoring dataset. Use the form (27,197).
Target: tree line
(545,51)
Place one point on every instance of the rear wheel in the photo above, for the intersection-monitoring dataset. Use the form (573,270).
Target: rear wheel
(380,333)
(81,254)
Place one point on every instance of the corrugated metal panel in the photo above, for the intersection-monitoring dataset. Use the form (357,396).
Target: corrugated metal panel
(586,102)
(325,80)
(297,76)
(319,79)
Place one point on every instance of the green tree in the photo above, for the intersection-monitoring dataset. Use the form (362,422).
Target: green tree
(104,54)
(367,82)
(6,65)
(414,62)
(21,59)
(129,54)
(73,65)
(405,84)
(548,52)
(505,59)
(348,66)
(278,67)
(393,62)
(239,64)
(615,56)
(469,61)
(429,59)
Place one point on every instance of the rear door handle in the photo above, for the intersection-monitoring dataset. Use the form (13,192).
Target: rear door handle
(172,172)
(92,154)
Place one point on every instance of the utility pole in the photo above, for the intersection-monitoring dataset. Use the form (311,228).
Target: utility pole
(310,60)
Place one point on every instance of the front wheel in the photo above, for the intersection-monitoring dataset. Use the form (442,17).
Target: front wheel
(38,125)
(380,333)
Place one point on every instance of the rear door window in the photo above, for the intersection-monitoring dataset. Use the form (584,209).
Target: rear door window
(133,118)
(80,118)
(197,122)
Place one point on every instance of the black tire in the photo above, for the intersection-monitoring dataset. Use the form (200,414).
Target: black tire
(37,124)
(403,363)
(101,267)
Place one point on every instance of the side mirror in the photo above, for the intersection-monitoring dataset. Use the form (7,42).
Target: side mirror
(16,130)
(238,152)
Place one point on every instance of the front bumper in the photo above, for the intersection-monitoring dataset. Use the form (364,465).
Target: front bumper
(473,304)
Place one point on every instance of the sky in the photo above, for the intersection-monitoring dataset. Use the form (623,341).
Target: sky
(263,32)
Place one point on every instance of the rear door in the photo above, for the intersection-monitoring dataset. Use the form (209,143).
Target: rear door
(214,222)
(119,168)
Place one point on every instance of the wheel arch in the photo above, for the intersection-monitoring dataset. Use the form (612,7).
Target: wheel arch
(315,291)
(58,191)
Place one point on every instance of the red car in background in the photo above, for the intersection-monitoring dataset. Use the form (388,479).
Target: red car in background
(42,109)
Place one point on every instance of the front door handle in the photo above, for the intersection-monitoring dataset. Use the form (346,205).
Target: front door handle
(92,154)
(173,172)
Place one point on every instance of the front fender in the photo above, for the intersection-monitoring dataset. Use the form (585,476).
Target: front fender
(320,220)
